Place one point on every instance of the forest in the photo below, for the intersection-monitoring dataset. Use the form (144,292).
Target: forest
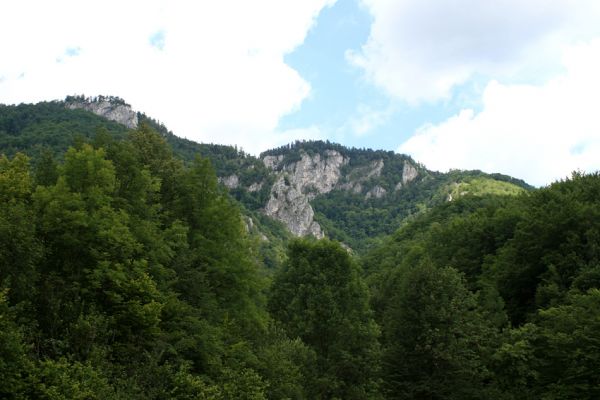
(128,272)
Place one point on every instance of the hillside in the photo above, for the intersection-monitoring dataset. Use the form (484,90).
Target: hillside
(357,195)
(499,293)
(313,188)
(128,270)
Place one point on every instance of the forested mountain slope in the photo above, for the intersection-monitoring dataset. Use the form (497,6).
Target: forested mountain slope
(127,274)
(127,271)
(313,188)
(493,297)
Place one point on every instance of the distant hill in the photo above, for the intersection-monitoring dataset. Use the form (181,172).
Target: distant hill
(313,188)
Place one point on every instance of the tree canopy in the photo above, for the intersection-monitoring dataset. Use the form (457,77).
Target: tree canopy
(128,272)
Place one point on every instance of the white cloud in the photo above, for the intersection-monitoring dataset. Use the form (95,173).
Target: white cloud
(539,133)
(418,50)
(214,74)
(366,120)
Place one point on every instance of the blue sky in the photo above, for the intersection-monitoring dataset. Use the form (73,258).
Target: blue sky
(341,99)
(509,86)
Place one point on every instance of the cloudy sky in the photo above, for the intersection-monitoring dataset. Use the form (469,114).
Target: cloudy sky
(506,86)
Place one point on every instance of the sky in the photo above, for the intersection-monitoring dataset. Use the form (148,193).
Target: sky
(506,86)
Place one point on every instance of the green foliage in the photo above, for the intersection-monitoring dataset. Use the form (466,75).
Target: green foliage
(35,128)
(20,249)
(226,160)
(435,339)
(15,365)
(319,297)
(130,274)
(62,380)
(485,186)
(555,356)
(345,216)
(532,258)
(286,364)
(127,271)
(358,222)
(351,217)
(557,238)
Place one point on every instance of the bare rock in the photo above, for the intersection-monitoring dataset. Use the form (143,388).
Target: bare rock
(273,162)
(118,112)
(409,173)
(255,187)
(377,192)
(231,181)
(290,206)
(297,184)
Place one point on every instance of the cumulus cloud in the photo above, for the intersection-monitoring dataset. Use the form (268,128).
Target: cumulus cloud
(539,133)
(211,71)
(418,50)
(365,120)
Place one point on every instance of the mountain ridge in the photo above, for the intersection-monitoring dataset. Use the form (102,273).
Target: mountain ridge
(314,188)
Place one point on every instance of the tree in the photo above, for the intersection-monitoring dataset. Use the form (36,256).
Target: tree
(319,297)
(436,343)
(555,357)
(557,238)
(19,249)
(46,169)
(15,366)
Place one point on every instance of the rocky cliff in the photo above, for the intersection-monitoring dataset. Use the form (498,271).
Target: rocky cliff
(111,108)
(299,182)
(304,188)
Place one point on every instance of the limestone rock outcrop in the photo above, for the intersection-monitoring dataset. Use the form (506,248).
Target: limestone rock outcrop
(409,173)
(298,183)
(231,181)
(117,111)
(377,192)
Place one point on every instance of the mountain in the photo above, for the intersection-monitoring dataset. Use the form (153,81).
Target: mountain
(126,271)
(313,188)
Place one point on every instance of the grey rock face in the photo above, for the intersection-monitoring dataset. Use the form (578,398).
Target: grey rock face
(255,187)
(376,168)
(290,206)
(272,161)
(315,175)
(377,192)
(121,113)
(231,181)
(297,184)
(409,173)
(354,187)
(361,175)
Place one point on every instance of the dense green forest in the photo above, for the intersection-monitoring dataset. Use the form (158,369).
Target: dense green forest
(128,272)
(344,215)
(360,221)
(49,128)
(493,297)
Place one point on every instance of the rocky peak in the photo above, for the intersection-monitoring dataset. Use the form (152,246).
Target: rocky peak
(111,108)
(299,182)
